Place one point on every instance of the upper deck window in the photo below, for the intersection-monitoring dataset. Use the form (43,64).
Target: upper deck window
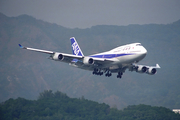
(138,44)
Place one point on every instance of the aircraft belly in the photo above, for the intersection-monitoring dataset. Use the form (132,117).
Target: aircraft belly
(130,58)
(82,66)
(119,63)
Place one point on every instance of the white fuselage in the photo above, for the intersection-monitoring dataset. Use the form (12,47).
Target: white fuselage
(123,55)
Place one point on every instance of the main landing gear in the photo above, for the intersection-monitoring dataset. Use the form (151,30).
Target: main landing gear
(97,72)
(107,73)
(119,75)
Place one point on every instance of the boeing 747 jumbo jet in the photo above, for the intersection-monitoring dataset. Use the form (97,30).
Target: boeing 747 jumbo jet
(116,60)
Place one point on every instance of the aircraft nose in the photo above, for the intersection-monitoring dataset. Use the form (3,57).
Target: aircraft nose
(144,51)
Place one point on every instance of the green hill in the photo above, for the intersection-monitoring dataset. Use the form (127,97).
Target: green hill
(58,106)
(26,73)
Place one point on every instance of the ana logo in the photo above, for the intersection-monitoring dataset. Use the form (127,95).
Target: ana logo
(75,48)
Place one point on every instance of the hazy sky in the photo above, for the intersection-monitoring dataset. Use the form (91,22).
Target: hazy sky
(87,13)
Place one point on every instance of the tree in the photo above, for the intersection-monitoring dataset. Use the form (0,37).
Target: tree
(46,94)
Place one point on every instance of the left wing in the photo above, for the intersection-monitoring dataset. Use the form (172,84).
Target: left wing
(151,70)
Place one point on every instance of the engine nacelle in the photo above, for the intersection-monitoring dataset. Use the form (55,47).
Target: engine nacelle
(141,69)
(58,56)
(88,61)
(151,71)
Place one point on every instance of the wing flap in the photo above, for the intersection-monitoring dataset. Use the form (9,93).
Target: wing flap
(63,57)
(68,58)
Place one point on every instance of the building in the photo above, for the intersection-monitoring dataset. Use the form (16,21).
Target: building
(176,110)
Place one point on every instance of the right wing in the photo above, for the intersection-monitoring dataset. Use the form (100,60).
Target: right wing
(37,50)
(55,55)
(77,60)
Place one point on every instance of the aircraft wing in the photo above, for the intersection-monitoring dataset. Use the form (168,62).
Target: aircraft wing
(55,55)
(151,70)
(37,50)
(70,58)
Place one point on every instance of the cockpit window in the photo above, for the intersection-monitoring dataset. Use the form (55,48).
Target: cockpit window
(138,45)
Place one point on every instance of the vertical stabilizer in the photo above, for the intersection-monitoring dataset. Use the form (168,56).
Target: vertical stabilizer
(76,50)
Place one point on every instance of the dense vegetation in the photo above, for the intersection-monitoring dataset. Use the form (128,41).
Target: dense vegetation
(58,106)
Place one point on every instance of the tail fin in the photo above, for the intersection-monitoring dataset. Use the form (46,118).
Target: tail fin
(76,50)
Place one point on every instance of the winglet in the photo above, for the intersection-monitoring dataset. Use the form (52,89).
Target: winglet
(157,66)
(21,46)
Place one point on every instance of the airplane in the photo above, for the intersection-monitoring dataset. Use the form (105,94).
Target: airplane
(116,60)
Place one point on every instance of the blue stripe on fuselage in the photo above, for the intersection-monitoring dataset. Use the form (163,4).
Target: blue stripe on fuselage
(110,55)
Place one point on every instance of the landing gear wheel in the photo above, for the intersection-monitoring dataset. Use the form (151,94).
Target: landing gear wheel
(97,72)
(119,75)
(108,74)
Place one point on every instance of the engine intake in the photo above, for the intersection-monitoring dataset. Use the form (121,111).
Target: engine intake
(151,71)
(141,69)
(58,56)
(88,61)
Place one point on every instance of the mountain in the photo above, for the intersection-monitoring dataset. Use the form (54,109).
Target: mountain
(26,73)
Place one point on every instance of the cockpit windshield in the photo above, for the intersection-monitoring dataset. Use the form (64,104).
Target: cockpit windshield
(138,44)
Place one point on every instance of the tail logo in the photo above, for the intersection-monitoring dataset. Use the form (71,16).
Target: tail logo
(75,48)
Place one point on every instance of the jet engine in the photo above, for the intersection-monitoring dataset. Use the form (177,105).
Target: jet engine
(141,69)
(151,71)
(58,56)
(88,61)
